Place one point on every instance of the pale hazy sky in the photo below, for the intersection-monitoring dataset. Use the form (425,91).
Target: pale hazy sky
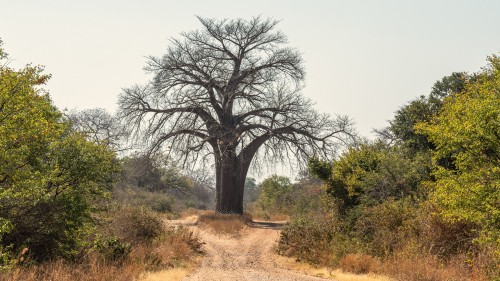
(363,58)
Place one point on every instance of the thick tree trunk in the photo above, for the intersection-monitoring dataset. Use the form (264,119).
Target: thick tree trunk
(230,185)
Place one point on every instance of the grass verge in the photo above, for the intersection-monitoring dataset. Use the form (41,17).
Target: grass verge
(328,273)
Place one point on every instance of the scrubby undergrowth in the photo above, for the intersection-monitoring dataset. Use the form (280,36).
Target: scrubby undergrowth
(403,240)
(129,243)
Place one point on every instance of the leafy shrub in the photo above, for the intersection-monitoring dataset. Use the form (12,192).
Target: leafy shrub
(50,209)
(134,225)
(276,195)
(387,226)
(318,243)
(51,177)
(112,249)
(465,133)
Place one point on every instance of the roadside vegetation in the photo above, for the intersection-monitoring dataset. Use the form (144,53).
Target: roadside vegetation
(418,203)
(72,208)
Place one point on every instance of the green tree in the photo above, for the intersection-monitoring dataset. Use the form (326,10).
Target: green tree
(467,131)
(276,194)
(252,190)
(50,176)
(401,128)
(370,173)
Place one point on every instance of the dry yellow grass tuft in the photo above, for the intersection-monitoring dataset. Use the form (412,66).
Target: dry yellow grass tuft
(93,270)
(225,224)
(193,212)
(173,274)
(328,273)
(428,268)
(359,264)
(340,275)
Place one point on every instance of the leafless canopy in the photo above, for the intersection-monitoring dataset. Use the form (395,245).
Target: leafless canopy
(231,87)
(101,127)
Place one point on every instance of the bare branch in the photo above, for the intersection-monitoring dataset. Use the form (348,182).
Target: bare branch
(230,89)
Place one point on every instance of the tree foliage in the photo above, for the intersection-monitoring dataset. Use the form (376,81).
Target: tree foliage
(467,131)
(428,188)
(276,194)
(401,128)
(371,173)
(50,177)
(252,190)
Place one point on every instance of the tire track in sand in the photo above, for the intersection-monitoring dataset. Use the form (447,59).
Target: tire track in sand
(247,257)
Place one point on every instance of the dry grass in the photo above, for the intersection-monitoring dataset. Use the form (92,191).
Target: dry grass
(190,212)
(328,273)
(266,216)
(91,270)
(359,267)
(177,248)
(429,268)
(340,275)
(359,264)
(171,274)
(225,224)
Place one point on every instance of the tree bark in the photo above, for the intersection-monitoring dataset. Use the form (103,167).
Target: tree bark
(230,184)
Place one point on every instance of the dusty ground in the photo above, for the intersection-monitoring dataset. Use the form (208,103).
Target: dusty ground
(248,256)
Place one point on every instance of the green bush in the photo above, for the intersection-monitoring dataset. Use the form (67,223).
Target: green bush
(51,177)
(112,249)
(162,205)
(315,242)
(134,225)
(466,135)
(276,195)
(387,226)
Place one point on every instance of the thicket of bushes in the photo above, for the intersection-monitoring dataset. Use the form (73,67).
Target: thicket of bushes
(51,177)
(421,201)
(70,209)
(128,243)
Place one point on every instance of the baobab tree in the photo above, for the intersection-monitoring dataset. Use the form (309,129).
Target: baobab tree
(232,90)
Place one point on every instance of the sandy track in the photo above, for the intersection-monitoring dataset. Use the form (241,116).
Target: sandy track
(245,257)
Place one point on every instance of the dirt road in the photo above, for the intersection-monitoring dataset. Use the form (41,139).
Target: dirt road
(248,256)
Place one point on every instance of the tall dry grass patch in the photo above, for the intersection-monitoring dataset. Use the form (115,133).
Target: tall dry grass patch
(359,264)
(92,269)
(426,268)
(224,223)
